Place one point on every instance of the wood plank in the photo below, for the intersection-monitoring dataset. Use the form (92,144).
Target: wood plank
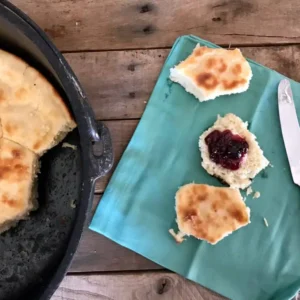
(96,253)
(119,83)
(138,286)
(122,24)
(121,133)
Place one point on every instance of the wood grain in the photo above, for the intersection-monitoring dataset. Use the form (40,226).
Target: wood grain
(121,133)
(77,25)
(97,253)
(138,286)
(119,83)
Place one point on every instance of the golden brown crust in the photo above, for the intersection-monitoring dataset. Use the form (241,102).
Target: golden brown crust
(210,213)
(216,70)
(17,170)
(207,80)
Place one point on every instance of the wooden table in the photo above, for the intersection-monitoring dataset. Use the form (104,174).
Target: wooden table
(117,49)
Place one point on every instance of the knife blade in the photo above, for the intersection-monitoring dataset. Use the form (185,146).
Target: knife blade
(290,127)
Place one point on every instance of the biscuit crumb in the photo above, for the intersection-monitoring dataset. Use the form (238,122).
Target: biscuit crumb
(179,237)
(266,222)
(256,195)
(67,145)
(249,191)
(73,203)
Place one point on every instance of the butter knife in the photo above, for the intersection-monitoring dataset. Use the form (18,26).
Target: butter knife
(290,127)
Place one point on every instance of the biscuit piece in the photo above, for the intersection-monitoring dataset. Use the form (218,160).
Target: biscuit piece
(208,73)
(210,213)
(32,113)
(253,162)
(18,167)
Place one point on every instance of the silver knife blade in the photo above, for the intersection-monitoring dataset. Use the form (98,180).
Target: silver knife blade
(290,127)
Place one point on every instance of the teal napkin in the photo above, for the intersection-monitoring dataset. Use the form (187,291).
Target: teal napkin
(137,209)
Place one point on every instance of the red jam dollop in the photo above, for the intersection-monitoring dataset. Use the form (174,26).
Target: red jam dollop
(226,149)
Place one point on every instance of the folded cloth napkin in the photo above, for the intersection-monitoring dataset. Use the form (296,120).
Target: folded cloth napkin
(137,209)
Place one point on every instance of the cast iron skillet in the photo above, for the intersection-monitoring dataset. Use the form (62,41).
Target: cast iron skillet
(35,255)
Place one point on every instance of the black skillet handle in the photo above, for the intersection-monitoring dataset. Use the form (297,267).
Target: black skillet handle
(98,135)
(102,163)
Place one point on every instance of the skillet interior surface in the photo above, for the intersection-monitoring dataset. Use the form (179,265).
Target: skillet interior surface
(31,252)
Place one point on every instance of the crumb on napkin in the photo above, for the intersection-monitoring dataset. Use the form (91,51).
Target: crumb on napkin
(249,191)
(179,237)
(256,195)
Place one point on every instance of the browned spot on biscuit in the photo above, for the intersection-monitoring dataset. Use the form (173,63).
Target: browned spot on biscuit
(194,189)
(223,67)
(203,188)
(202,197)
(238,215)
(204,236)
(207,80)
(10,128)
(9,74)
(199,232)
(9,202)
(4,170)
(37,145)
(20,93)
(212,240)
(237,69)
(215,206)
(228,85)
(211,62)
(217,64)
(189,214)
(190,199)
(16,153)
(10,170)
(223,195)
(2,95)
(20,168)
(12,203)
